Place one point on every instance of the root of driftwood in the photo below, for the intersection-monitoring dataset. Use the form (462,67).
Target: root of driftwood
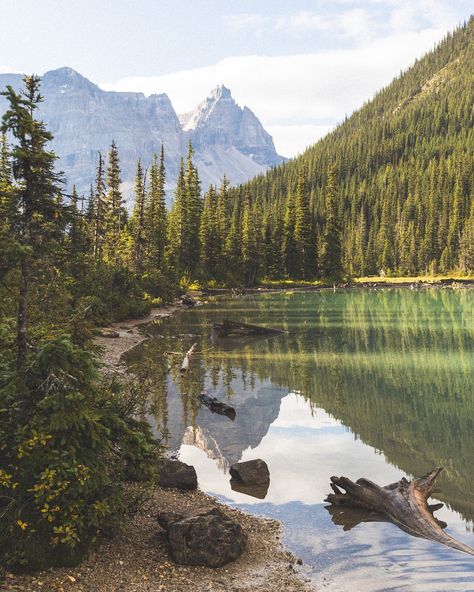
(403,503)
(217,406)
(187,359)
(228,328)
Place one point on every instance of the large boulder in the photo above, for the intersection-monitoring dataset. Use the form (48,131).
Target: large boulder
(205,536)
(251,473)
(176,474)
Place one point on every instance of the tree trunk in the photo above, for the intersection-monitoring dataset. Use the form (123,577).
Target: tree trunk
(404,503)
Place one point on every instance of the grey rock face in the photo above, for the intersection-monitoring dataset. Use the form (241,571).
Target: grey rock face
(204,537)
(84,120)
(176,474)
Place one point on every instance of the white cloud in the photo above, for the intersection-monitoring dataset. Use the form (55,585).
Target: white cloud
(291,140)
(244,21)
(356,24)
(296,93)
(359,20)
(8,70)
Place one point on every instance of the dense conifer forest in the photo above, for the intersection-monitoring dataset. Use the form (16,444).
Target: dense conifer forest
(390,190)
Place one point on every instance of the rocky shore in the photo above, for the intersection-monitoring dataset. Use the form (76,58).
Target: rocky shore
(137,559)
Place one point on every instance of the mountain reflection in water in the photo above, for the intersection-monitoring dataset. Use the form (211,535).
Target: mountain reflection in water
(380,383)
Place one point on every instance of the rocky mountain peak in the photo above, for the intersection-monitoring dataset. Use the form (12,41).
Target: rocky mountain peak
(84,119)
(219,101)
(219,123)
(221,92)
(66,78)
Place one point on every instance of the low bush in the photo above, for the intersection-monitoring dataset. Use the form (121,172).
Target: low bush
(68,440)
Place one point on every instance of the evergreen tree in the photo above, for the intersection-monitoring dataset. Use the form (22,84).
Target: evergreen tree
(137,225)
(466,252)
(290,250)
(303,237)
(223,214)
(232,246)
(155,215)
(250,259)
(331,263)
(114,212)
(98,211)
(39,220)
(209,236)
(9,247)
(177,216)
(193,209)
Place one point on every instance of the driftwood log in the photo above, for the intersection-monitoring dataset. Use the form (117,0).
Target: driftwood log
(403,503)
(229,328)
(217,406)
(187,358)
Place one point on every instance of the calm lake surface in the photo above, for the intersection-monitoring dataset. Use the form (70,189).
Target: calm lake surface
(365,383)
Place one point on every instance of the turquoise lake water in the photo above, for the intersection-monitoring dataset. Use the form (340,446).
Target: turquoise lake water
(364,383)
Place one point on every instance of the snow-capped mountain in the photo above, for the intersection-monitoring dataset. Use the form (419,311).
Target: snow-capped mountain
(84,120)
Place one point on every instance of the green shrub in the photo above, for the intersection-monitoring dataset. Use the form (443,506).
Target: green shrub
(67,441)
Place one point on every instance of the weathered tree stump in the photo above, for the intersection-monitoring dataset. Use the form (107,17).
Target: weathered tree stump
(403,503)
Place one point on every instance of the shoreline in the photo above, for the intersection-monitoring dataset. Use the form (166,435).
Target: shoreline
(137,558)
(128,335)
(364,283)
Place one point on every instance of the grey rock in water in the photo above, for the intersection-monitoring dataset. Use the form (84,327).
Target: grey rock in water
(251,473)
(205,536)
(176,474)
(84,119)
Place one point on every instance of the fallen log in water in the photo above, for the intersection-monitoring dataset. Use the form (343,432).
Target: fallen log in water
(217,406)
(404,503)
(187,358)
(228,328)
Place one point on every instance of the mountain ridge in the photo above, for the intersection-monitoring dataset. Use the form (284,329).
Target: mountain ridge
(84,119)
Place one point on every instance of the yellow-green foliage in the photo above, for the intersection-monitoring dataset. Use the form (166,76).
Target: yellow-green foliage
(66,443)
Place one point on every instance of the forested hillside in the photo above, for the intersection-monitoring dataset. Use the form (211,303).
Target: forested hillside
(403,181)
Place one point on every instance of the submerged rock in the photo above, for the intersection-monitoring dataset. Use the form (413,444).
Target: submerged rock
(205,536)
(176,474)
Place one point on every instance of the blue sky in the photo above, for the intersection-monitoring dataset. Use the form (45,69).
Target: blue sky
(300,65)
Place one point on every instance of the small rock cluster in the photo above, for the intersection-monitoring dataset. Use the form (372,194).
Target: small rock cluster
(206,536)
